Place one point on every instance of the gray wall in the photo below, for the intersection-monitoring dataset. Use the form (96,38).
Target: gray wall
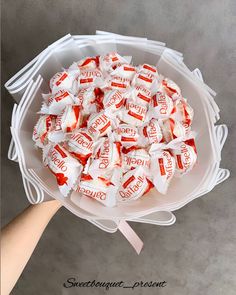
(197,254)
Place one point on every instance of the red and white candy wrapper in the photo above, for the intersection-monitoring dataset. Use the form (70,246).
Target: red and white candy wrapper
(63,81)
(148,80)
(55,103)
(86,98)
(111,61)
(171,89)
(133,185)
(66,122)
(172,129)
(100,124)
(141,95)
(161,106)
(124,71)
(126,134)
(113,100)
(63,166)
(136,158)
(185,155)
(90,78)
(81,145)
(183,113)
(147,69)
(151,133)
(98,189)
(133,113)
(88,63)
(44,125)
(107,157)
(162,169)
(117,82)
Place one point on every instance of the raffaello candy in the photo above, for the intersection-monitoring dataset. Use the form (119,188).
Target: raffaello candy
(117,82)
(63,81)
(55,103)
(183,113)
(146,79)
(88,63)
(66,122)
(133,113)
(124,71)
(126,134)
(63,166)
(141,95)
(113,100)
(133,185)
(161,106)
(185,155)
(111,61)
(81,145)
(100,124)
(151,132)
(107,158)
(171,89)
(172,129)
(162,168)
(136,158)
(98,190)
(44,125)
(147,69)
(90,78)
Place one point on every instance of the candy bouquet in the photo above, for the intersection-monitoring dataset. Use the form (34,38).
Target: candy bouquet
(122,130)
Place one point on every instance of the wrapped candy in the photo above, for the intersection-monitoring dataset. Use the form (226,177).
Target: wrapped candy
(136,158)
(161,106)
(63,166)
(133,185)
(55,103)
(111,61)
(44,125)
(133,113)
(80,145)
(124,71)
(162,168)
(88,63)
(66,122)
(152,132)
(90,78)
(172,129)
(113,100)
(183,113)
(171,89)
(126,134)
(185,155)
(63,81)
(117,82)
(141,94)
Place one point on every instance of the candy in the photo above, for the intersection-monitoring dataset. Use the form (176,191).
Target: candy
(111,61)
(107,157)
(133,185)
(117,82)
(124,71)
(88,63)
(99,124)
(55,103)
(185,155)
(40,132)
(87,99)
(113,100)
(136,158)
(152,132)
(161,106)
(141,94)
(172,129)
(90,78)
(148,69)
(63,166)
(81,145)
(133,113)
(66,122)
(183,113)
(63,81)
(162,169)
(99,191)
(171,89)
(126,134)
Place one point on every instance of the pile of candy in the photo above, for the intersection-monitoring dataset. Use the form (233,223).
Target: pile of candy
(112,131)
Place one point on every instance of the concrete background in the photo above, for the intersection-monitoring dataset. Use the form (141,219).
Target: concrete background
(197,254)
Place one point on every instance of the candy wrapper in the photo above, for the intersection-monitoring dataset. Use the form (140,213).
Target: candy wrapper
(65,168)
(111,130)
